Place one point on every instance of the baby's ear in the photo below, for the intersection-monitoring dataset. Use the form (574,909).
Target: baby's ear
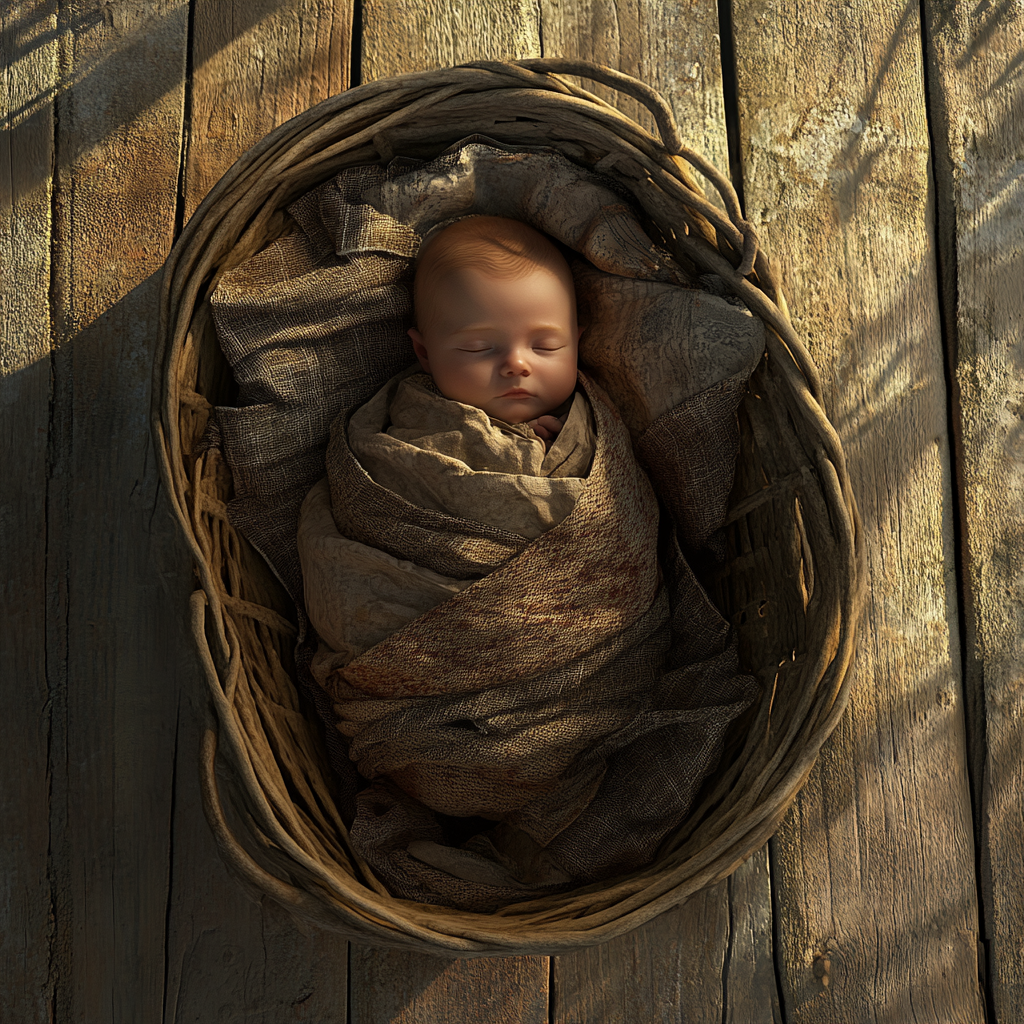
(419,348)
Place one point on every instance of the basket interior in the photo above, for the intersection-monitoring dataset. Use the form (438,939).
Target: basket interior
(788,585)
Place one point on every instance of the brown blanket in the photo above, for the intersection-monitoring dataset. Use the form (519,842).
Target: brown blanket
(313,326)
(536,681)
(440,455)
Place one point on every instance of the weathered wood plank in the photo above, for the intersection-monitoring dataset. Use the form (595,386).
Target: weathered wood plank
(28,59)
(668,970)
(708,960)
(671,45)
(874,866)
(113,650)
(229,959)
(685,954)
(403,988)
(416,35)
(751,993)
(976,64)
(254,67)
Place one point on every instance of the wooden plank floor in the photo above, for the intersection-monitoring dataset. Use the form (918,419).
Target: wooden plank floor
(879,146)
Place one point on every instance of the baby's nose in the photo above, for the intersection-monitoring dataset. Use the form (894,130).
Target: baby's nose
(516,364)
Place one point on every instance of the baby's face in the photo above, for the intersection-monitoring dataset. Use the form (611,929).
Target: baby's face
(507,346)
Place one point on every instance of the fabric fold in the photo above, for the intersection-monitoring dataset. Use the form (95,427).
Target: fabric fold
(540,691)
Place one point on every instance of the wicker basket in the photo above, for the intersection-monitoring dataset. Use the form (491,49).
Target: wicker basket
(792,586)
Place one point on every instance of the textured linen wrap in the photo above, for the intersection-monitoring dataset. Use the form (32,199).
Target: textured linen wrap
(511,645)
(535,679)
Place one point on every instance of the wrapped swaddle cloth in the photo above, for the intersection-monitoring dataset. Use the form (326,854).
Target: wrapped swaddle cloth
(440,455)
(510,644)
(536,672)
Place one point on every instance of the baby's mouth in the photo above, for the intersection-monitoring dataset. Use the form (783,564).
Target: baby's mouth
(516,393)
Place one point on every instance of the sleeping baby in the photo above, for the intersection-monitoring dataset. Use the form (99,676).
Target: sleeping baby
(478,433)
(496,305)
(498,639)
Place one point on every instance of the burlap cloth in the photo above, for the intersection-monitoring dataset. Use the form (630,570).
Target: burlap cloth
(579,687)
(440,455)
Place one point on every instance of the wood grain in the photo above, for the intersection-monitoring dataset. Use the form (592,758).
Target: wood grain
(667,970)
(399,36)
(678,964)
(750,991)
(874,866)
(411,988)
(113,650)
(671,45)
(254,67)
(708,960)
(976,63)
(26,151)
(415,35)
(230,959)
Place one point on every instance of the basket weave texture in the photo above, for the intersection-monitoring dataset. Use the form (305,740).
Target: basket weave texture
(792,586)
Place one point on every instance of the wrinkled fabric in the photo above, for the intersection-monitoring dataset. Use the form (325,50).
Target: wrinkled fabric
(313,327)
(439,454)
(541,686)
(454,458)
(316,322)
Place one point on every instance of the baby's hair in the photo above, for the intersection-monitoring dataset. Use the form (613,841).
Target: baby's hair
(499,246)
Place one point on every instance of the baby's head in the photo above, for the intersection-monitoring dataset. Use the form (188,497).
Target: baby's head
(496,318)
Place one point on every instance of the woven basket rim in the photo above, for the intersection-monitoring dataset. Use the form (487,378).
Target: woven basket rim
(229,221)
